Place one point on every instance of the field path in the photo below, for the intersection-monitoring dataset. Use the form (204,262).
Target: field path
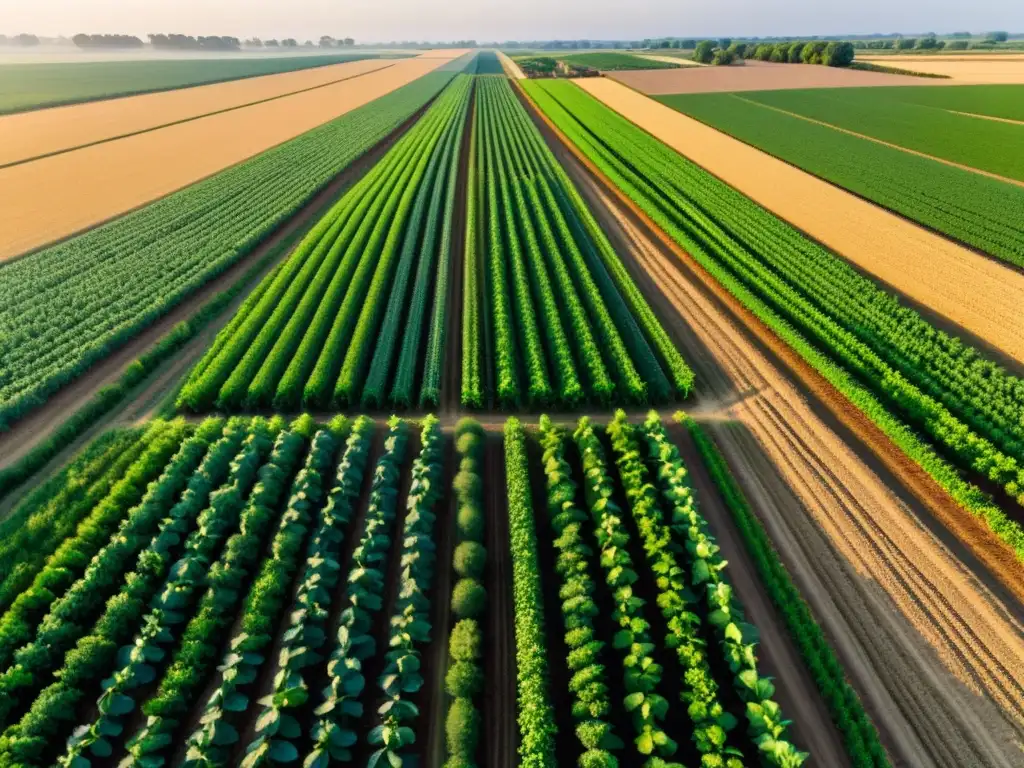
(55,197)
(987,117)
(678,61)
(511,68)
(936,654)
(935,158)
(977,293)
(29,135)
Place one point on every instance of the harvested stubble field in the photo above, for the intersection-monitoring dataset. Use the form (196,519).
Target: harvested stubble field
(42,201)
(866,555)
(511,68)
(757,76)
(973,292)
(29,135)
(967,69)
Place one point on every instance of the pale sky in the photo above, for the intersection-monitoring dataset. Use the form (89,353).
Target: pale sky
(384,20)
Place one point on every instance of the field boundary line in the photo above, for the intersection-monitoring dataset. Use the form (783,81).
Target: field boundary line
(986,117)
(971,169)
(192,119)
(996,556)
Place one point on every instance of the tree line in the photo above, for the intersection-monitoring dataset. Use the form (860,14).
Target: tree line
(722,52)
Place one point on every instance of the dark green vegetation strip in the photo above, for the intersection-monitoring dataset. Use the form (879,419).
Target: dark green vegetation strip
(65,308)
(845,707)
(611,62)
(1004,101)
(981,212)
(34,86)
(940,400)
(988,145)
(359,309)
(568,323)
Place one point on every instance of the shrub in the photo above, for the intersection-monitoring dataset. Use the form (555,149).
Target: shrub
(465,642)
(464,680)
(462,729)
(469,559)
(470,522)
(704,52)
(468,598)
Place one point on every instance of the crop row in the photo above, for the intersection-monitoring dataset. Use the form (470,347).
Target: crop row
(66,307)
(937,397)
(563,321)
(358,310)
(975,209)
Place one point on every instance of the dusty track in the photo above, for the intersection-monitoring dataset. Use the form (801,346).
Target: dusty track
(862,551)
(977,293)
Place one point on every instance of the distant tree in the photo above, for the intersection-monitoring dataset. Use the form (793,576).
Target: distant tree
(812,52)
(905,43)
(290,42)
(764,52)
(738,50)
(348,42)
(326,41)
(308,44)
(24,39)
(688,44)
(704,52)
(997,37)
(795,52)
(780,53)
(961,35)
(584,44)
(106,41)
(647,43)
(725,42)
(3,40)
(253,42)
(272,44)
(929,43)
(722,57)
(838,54)
(956,45)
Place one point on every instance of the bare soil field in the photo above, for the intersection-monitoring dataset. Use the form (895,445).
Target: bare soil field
(28,135)
(757,76)
(934,650)
(55,197)
(677,60)
(973,292)
(967,69)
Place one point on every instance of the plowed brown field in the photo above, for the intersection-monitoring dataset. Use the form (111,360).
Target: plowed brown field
(54,197)
(757,76)
(936,654)
(28,135)
(972,291)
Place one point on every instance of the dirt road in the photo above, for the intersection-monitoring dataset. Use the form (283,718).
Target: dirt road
(935,652)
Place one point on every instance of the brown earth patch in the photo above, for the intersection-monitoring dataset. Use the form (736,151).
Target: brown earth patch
(978,294)
(960,70)
(58,196)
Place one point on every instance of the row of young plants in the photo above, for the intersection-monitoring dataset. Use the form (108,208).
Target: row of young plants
(591,702)
(56,316)
(410,627)
(536,719)
(169,648)
(643,675)
(340,705)
(859,734)
(33,738)
(464,679)
(200,642)
(936,397)
(183,489)
(685,537)
(344,318)
(579,330)
(212,742)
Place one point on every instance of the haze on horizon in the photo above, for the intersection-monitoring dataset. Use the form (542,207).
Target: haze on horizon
(489,20)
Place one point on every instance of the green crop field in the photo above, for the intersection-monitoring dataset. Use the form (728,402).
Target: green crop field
(987,145)
(1004,101)
(901,371)
(610,62)
(985,213)
(32,86)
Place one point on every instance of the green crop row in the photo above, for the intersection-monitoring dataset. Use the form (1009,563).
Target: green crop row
(559,305)
(57,317)
(938,398)
(974,209)
(344,316)
(613,62)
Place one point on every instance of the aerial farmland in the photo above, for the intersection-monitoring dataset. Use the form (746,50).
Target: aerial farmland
(653,403)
